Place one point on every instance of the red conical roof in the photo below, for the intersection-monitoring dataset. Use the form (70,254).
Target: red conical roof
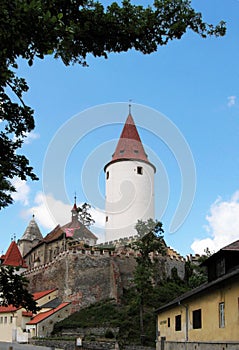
(13,257)
(129,146)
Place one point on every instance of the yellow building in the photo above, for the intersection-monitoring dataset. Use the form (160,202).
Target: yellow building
(209,313)
(16,324)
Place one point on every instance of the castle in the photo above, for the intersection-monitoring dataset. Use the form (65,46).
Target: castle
(69,258)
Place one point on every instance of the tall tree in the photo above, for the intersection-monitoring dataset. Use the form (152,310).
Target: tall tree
(71,30)
(150,242)
(13,290)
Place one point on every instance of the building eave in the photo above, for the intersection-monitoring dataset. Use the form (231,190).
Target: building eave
(199,290)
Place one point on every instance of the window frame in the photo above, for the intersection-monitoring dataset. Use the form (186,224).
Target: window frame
(197,319)
(178,323)
(221,309)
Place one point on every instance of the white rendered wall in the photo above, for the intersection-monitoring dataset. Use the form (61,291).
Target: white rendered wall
(129,197)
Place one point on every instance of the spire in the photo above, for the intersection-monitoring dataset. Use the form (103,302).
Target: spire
(129,145)
(74,212)
(32,231)
(74,208)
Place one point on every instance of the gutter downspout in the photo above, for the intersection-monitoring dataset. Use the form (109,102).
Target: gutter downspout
(187,321)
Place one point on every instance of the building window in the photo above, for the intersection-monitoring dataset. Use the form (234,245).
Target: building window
(11,318)
(178,325)
(197,319)
(107,175)
(221,315)
(168,321)
(5,319)
(107,218)
(140,170)
(1,319)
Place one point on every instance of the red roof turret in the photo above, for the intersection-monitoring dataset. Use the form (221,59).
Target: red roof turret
(13,257)
(129,146)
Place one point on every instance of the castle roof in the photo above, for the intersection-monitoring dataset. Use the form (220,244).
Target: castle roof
(13,257)
(39,295)
(129,146)
(43,315)
(77,230)
(32,231)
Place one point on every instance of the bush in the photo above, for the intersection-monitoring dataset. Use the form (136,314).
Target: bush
(109,334)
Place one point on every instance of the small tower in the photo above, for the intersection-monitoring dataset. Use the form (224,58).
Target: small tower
(13,258)
(30,238)
(129,185)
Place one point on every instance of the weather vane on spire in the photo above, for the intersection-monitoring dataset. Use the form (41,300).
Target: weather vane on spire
(130,100)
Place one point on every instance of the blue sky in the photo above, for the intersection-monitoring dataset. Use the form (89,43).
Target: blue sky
(192,82)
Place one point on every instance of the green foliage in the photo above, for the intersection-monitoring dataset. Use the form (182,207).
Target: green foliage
(150,242)
(85,216)
(126,315)
(71,30)
(105,314)
(13,290)
(109,334)
(195,274)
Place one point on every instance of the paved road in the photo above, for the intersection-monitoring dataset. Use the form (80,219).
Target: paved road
(15,346)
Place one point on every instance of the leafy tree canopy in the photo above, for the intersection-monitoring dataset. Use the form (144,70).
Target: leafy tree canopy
(150,242)
(71,30)
(13,290)
(85,215)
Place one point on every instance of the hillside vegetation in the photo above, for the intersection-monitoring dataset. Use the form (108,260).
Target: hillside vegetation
(125,315)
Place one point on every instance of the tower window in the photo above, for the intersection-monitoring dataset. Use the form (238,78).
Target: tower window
(106,218)
(140,170)
(107,175)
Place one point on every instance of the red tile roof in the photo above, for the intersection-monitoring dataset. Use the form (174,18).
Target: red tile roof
(43,315)
(129,146)
(36,296)
(9,308)
(27,313)
(13,257)
(39,295)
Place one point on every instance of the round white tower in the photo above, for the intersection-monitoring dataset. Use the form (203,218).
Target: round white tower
(129,185)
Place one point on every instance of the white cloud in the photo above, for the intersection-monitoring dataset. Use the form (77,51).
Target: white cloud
(50,212)
(22,191)
(231,101)
(223,225)
(31,136)
(28,137)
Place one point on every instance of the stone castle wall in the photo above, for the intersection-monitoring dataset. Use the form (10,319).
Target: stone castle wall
(88,276)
